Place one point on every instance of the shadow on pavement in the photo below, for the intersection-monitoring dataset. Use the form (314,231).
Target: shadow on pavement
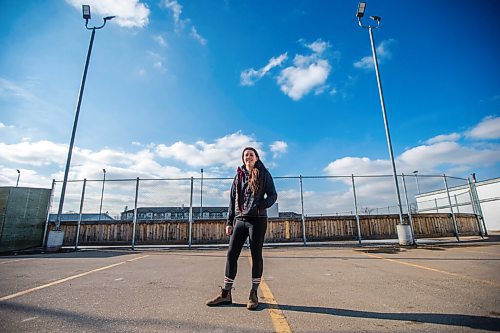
(68,254)
(101,323)
(460,320)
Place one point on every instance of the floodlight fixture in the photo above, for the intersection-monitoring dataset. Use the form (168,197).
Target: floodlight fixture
(361,10)
(86,12)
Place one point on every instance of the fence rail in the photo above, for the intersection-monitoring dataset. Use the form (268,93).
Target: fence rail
(322,208)
(278,230)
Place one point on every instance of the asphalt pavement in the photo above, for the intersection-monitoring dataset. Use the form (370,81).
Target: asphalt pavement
(435,287)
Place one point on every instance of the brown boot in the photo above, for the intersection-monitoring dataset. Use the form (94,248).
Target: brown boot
(253,300)
(223,299)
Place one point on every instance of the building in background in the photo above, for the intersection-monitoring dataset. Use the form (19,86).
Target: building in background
(74,217)
(488,192)
(182,213)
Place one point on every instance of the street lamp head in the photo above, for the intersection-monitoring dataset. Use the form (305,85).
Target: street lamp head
(415,172)
(107,18)
(104,170)
(375,18)
(18,171)
(86,12)
(361,10)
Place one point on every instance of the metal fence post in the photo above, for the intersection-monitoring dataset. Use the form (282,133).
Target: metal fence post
(134,222)
(45,230)
(456,204)
(356,209)
(408,209)
(451,208)
(302,211)
(191,214)
(80,215)
(474,210)
(478,205)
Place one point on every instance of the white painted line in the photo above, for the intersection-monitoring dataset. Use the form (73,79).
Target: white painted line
(24,292)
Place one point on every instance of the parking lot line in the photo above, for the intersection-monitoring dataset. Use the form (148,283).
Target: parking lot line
(277,317)
(24,292)
(491,283)
(11,261)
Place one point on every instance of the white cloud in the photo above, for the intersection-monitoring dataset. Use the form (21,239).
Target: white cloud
(436,158)
(225,151)
(34,153)
(383,48)
(10,89)
(129,13)
(444,137)
(2,126)
(160,40)
(383,54)
(196,36)
(488,128)
(432,157)
(318,46)
(306,74)
(441,155)
(365,62)
(180,24)
(358,166)
(248,77)
(158,60)
(27,178)
(491,99)
(309,72)
(176,10)
(278,148)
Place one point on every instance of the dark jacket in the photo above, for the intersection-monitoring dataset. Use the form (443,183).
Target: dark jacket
(243,202)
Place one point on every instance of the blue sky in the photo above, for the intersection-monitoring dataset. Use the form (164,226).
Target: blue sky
(175,86)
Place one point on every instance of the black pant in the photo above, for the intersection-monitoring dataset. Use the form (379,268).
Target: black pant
(255,227)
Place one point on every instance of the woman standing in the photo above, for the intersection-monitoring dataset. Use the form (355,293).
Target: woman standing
(252,193)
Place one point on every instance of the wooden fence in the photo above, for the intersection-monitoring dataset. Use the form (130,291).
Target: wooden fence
(326,228)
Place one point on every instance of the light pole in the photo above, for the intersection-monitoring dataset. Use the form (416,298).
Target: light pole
(416,180)
(405,236)
(102,191)
(201,195)
(86,16)
(18,175)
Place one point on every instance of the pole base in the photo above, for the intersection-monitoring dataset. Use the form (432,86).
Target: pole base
(404,234)
(55,240)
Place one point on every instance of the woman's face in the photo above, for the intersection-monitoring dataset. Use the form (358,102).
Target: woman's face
(249,158)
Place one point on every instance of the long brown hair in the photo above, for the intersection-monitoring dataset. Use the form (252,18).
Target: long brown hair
(253,182)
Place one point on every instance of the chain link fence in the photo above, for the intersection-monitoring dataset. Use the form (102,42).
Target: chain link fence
(192,199)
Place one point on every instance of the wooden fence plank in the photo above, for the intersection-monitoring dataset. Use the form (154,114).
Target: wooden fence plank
(323,228)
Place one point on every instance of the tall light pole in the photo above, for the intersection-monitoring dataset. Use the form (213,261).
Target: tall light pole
(404,240)
(18,175)
(416,180)
(86,16)
(201,195)
(102,191)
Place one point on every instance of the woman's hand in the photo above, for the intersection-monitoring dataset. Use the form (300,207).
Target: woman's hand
(229,230)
